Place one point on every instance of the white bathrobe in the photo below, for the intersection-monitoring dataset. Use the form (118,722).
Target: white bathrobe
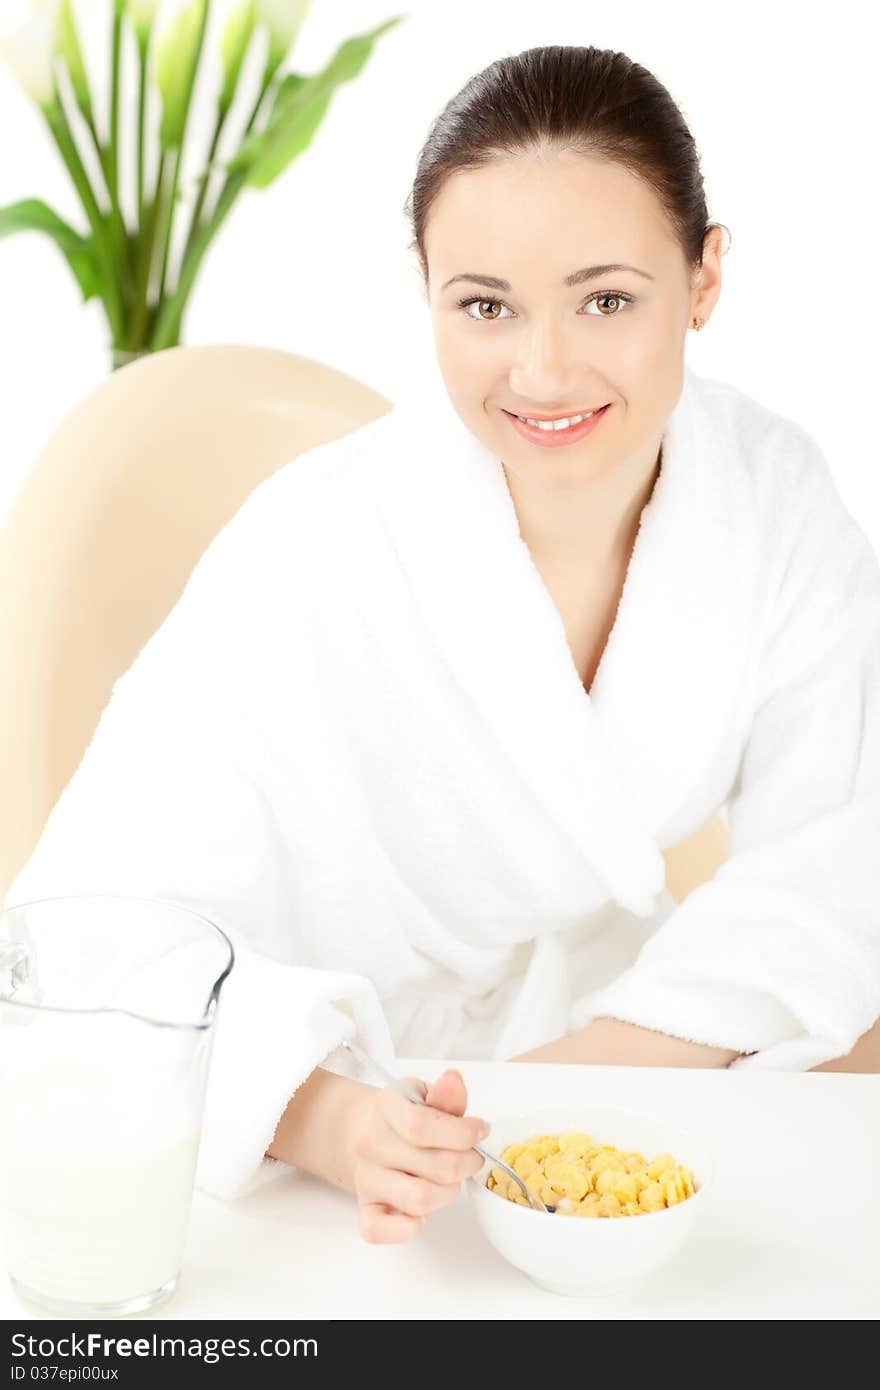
(360,745)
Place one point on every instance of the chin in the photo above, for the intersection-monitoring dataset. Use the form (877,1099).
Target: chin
(560,475)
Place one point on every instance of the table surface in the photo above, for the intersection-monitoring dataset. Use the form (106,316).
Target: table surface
(791,1231)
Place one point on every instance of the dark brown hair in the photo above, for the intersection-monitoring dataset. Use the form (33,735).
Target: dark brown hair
(590,100)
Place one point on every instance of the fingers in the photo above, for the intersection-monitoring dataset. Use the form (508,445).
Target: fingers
(412,1159)
(448,1093)
(381,1225)
(443,1166)
(415,1083)
(401,1191)
(424,1127)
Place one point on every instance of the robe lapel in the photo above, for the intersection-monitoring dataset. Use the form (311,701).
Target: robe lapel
(445,503)
(669,683)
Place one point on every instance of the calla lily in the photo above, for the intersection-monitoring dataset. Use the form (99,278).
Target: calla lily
(27,46)
(143,289)
(141,15)
(283,19)
(176,62)
(233,47)
(68,48)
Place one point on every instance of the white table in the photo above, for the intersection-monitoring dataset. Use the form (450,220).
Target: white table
(793,1230)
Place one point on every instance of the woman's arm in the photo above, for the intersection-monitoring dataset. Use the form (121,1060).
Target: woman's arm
(780,951)
(316,1131)
(318,1128)
(610,1042)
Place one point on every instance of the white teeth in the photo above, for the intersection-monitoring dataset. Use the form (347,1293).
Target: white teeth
(556,424)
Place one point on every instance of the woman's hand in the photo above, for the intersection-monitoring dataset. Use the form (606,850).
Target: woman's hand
(409,1160)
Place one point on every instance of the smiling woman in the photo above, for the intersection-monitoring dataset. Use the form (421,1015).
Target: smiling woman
(541,160)
(438,699)
(566,371)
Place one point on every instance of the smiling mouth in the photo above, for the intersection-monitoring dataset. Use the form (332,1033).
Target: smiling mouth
(556,422)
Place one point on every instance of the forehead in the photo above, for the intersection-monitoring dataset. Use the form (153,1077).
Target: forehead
(559,206)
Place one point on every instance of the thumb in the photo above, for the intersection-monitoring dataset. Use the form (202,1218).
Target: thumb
(448,1093)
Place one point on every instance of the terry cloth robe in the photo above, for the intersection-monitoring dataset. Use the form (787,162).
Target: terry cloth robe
(360,745)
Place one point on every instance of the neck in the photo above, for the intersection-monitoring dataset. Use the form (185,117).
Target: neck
(599,519)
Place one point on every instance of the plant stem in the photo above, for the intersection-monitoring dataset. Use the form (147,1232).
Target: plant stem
(168,229)
(168,222)
(117,228)
(221,119)
(113,222)
(113,156)
(265,84)
(57,121)
(147,211)
(140,315)
(125,243)
(171,312)
(200,235)
(100,150)
(141,128)
(203,191)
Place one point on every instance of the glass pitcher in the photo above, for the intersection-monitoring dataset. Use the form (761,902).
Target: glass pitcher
(107,1006)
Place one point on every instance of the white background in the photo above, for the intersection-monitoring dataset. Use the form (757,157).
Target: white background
(781,99)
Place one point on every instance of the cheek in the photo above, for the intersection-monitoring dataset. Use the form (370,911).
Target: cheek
(640,357)
(469,368)
(465,387)
(460,342)
(465,352)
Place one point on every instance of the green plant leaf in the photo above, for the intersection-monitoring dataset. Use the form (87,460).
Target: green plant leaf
(33,215)
(299,108)
(287,88)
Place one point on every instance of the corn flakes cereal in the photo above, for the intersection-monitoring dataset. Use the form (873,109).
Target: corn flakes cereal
(579,1177)
(568,1180)
(525,1163)
(608,1158)
(580,1144)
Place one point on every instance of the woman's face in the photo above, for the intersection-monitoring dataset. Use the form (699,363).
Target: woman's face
(537,345)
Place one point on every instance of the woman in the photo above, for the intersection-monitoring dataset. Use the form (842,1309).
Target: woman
(436,698)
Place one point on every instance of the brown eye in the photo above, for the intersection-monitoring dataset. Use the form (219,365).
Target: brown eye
(495,308)
(617,299)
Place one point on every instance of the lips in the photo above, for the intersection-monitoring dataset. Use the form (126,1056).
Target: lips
(562,415)
(548,437)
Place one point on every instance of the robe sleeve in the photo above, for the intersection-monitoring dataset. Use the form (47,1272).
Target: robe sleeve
(778,956)
(172,800)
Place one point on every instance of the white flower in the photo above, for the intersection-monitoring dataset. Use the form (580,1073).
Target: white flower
(27,45)
(176,59)
(234,43)
(283,19)
(142,13)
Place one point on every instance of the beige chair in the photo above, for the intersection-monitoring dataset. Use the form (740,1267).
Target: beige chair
(107,528)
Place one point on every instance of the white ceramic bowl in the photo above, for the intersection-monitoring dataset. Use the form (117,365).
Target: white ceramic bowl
(572,1254)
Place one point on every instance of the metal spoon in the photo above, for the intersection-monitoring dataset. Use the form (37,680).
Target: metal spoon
(395,1084)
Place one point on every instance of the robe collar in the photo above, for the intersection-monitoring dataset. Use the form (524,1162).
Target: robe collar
(612,766)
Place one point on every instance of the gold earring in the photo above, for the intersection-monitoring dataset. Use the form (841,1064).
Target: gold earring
(698,324)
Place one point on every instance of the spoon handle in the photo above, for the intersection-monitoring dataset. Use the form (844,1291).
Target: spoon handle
(394,1082)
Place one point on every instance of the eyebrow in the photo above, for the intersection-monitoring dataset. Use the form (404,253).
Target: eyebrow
(588,272)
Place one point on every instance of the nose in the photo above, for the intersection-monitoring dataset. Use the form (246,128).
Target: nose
(544,370)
